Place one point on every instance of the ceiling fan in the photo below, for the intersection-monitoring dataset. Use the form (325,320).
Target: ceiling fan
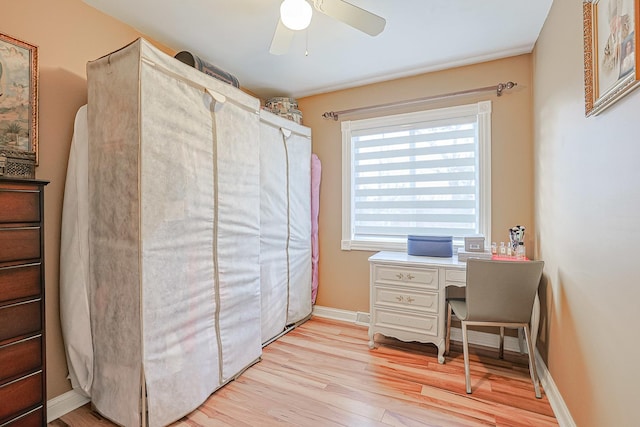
(295,15)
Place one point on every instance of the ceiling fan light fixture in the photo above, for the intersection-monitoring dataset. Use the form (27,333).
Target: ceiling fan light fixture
(295,14)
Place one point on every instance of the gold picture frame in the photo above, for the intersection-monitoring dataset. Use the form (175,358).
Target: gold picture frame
(610,62)
(18,95)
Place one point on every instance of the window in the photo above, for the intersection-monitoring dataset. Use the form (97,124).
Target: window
(425,173)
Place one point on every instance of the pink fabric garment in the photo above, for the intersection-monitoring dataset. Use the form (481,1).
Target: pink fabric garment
(316,174)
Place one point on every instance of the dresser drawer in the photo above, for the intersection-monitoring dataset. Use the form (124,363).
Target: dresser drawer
(20,358)
(419,277)
(20,319)
(20,395)
(19,243)
(35,418)
(404,298)
(414,324)
(19,206)
(20,281)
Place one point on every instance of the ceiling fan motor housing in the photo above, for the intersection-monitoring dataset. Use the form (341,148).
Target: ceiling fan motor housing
(295,14)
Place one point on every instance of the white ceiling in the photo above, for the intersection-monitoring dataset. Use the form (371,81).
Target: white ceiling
(420,36)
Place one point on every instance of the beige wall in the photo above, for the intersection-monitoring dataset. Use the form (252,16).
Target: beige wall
(68,33)
(344,275)
(587,200)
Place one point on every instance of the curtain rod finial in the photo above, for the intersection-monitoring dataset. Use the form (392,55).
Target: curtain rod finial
(330,115)
(502,86)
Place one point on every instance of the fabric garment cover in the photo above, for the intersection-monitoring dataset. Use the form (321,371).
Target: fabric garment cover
(316,177)
(299,250)
(274,230)
(285,251)
(74,261)
(174,234)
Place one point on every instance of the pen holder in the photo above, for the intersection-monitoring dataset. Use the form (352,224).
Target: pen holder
(514,242)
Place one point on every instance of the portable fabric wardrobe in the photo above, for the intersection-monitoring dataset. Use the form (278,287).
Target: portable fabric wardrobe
(174,236)
(285,223)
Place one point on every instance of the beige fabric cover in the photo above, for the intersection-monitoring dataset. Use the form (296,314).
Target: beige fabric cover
(285,218)
(174,234)
(299,250)
(74,261)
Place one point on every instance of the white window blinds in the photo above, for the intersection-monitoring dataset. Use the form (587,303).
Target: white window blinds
(417,173)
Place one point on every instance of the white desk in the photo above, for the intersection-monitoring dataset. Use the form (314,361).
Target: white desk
(407,297)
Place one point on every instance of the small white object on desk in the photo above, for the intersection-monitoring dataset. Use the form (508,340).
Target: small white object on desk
(464,255)
(474,244)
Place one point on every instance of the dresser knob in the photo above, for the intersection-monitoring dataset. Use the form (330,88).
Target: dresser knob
(400,276)
(410,300)
(400,299)
(410,276)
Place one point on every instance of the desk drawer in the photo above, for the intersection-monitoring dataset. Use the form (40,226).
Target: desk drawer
(20,319)
(419,277)
(20,357)
(20,395)
(20,206)
(20,281)
(455,275)
(405,298)
(411,323)
(19,243)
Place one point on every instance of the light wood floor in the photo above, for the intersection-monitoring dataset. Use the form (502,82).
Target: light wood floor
(323,374)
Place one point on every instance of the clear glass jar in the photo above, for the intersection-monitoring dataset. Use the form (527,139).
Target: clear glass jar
(521,252)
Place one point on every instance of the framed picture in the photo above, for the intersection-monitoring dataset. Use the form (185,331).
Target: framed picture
(610,40)
(18,95)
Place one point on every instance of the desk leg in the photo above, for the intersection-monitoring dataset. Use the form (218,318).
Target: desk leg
(441,347)
(372,343)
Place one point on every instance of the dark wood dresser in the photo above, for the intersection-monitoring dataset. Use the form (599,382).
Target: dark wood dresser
(23,401)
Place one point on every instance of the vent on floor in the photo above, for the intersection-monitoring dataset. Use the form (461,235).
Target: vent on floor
(362,318)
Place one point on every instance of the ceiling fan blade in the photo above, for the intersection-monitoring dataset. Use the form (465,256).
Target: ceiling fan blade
(354,16)
(281,40)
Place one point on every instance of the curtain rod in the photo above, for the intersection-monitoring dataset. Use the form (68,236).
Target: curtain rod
(499,88)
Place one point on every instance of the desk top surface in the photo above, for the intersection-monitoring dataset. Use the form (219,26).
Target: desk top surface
(389,257)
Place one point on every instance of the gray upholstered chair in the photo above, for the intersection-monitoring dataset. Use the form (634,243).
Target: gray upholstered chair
(498,293)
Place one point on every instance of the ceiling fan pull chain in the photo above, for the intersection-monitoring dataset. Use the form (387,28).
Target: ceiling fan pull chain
(306,43)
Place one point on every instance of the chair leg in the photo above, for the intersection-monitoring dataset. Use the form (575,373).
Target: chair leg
(521,340)
(465,350)
(501,351)
(532,362)
(447,337)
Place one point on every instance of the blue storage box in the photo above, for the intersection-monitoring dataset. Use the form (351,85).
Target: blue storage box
(440,246)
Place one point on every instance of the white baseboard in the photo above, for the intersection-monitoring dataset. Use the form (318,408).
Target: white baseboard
(65,403)
(553,394)
(485,339)
(362,319)
(335,314)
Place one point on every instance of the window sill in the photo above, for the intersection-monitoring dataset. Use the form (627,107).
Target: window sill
(358,245)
